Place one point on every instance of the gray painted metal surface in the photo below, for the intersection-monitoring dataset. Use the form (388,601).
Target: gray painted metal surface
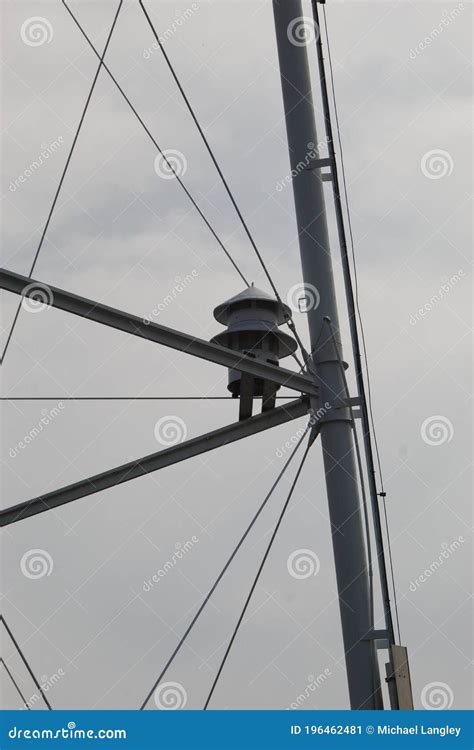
(138,468)
(364,414)
(336,436)
(253,318)
(86,308)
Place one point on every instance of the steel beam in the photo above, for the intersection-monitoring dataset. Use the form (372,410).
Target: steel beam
(109,316)
(138,468)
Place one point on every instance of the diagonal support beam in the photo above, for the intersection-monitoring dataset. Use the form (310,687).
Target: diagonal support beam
(138,468)
(109,316)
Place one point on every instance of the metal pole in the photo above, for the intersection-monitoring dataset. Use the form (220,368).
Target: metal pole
(354,334)
(335,429)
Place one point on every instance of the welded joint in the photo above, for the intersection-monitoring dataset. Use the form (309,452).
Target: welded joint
(338,410)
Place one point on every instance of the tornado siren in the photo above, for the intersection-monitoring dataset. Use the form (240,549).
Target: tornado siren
(253,318)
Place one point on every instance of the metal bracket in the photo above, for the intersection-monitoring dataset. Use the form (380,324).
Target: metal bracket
(319,163)
(380,637)
(352,401)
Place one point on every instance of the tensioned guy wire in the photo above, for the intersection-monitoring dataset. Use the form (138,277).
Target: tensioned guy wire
(25,702)
(153,140)
(290,323)
(63,175)
(25,662)
(224,569)
(382,493)
(256,579)
(208,147)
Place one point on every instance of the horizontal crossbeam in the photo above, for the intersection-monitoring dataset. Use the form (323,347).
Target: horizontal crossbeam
(109,316)
(155,461)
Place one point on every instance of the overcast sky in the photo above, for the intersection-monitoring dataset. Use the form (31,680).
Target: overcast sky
(126,236)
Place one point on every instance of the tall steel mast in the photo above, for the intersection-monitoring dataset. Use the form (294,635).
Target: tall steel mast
(336,427)
(251,348)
